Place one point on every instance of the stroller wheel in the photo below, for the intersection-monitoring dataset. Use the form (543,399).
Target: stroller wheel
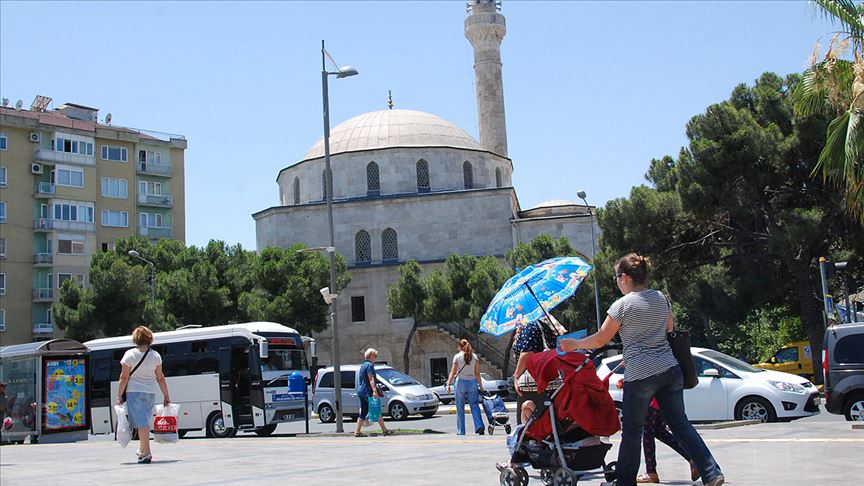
(546,476)
(509,477)
(522,474)
(490,429)
(507,428)
(564,477)
(610,472)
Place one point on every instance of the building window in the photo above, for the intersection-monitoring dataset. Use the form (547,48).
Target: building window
(2,211)
(422,176)
(362,247)
(2,176)
(73,212)
(296,190)
(468,175)
(70,247)
(2,320)
(498,180)
(119,219)
(62,277)
(358,309)
(2,248)
(73,146)
(148,156)
(67,176)
(150,188)
(389,245)
(117,188)
(107,246)
(324,184)
(150,220)
(2,284)
(110,152)
(3,141)
(373,179)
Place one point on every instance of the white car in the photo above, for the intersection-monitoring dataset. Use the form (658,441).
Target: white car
(730,389)
(444,396)
(501,388)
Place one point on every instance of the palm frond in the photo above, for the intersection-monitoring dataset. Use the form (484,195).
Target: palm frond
(847,14)
(824,88)
(841,162)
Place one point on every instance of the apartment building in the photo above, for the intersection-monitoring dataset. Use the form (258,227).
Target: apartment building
(71,186)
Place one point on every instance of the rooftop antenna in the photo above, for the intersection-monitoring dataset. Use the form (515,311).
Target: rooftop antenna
(40,103)
(108,119)
(389,99)
(19,104)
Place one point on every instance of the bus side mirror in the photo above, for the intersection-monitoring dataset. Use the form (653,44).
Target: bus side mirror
(263,348)
(313,348)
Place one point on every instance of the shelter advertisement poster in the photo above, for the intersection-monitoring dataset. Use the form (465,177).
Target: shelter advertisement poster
(65,394)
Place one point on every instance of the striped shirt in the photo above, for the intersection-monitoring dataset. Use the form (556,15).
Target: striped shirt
(643,318)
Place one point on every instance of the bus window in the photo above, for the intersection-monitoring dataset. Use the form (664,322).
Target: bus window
(284,360)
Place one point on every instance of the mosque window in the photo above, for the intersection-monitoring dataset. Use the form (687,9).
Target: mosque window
(422,176)
(324,184)
(468,175)
(389,245)
(296,190)
(498,180)
(373,179)
(362,247)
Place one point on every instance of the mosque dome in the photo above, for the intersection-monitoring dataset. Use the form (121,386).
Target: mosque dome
(393,128)
(552,203)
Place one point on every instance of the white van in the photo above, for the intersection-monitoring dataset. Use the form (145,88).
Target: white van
(403,395)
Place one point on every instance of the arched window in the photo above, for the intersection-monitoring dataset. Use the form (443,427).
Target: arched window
(389,245)
(422,176)
(498,180)
(362,247)
(373,179)
(296,190)
(468,175)
(324,184)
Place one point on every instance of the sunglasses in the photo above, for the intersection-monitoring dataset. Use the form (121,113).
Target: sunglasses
(615,277)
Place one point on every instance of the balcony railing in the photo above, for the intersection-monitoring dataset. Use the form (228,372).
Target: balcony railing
(43,328)
(45,188)
(43,258)
(54,157)
(43,294)
(80,226)
(165,201)
(150,232)
(43,224)
(149,168)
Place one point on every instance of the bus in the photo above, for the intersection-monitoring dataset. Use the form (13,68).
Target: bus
(226,378)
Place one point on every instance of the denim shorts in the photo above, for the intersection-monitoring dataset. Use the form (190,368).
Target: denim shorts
(139,407)
(364,408)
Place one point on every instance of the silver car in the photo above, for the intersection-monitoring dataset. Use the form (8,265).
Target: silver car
(403,395)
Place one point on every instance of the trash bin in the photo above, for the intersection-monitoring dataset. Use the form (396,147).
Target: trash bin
(296,383)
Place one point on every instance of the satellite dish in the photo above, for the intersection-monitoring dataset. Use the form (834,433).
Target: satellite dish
(19,104)
(108,119)
(5,102)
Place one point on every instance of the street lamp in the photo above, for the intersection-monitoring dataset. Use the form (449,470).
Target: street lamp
(135,254)
(341,72)
(581,195)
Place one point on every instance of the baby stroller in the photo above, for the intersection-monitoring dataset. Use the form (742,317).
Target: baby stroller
(496,412)
(567,436)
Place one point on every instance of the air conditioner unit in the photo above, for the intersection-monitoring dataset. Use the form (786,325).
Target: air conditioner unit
(36,168)
(35,137)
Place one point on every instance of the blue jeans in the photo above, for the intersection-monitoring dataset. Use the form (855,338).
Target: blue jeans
(467,388)
(668,388)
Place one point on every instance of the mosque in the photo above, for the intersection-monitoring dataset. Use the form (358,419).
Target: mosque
(410,185)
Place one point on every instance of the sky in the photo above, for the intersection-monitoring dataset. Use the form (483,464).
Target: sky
(593,90)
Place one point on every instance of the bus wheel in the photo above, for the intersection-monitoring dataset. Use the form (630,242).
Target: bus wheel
(216,427)
(266,431)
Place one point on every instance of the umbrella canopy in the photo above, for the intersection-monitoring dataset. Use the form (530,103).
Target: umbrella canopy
(528,295)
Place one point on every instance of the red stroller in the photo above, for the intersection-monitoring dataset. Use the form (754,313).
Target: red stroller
(567,436)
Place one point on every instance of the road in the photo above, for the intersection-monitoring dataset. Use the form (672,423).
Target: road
(813,451)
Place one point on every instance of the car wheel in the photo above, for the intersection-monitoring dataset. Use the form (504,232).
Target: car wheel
(326,414)
(854,408)
(266,431)
(216,427)
(755,408)
(182,433)
(398,411)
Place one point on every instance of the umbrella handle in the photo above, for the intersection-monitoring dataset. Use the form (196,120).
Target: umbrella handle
(538,301)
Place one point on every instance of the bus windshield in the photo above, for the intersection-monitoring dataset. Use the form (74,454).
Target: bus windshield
(284,360)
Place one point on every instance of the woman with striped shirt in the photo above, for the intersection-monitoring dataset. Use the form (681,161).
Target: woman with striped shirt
(643,316)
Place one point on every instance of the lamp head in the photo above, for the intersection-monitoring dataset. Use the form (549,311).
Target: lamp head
(581,195)
(134,254)
(328,297)
(346,71)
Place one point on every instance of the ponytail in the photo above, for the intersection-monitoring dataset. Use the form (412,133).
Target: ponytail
(467,350)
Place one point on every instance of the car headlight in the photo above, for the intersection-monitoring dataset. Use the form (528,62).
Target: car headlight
(787,387)
(411,397)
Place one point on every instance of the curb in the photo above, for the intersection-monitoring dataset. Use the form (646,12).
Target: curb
(858,426)
(451,409)
(726,425)
(350,434)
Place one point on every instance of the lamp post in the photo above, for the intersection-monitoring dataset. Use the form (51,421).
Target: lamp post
(341,72)
(135,254)
(581,195)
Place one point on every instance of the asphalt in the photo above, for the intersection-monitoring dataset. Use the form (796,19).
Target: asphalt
(804,452)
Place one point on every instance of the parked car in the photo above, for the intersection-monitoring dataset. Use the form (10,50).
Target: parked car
(443,394)
(843,364)
(403,395)
(732,389)
(795,358)
(500,387)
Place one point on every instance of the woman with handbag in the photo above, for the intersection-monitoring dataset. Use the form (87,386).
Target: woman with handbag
(643,316)
(466,372)
(141,371)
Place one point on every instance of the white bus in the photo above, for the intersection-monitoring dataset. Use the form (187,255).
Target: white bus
(226,378)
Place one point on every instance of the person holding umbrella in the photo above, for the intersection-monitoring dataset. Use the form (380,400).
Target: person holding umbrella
(642,317)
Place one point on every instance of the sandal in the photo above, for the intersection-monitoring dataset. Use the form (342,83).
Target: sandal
(500,466)
(145,459)
(360,434)
(648,478)
(388,433)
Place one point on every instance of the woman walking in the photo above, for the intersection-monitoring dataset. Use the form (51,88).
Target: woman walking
(466,372)
(141,371)
(655,428)
(643,316)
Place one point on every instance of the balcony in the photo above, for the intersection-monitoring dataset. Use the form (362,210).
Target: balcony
(43,295)
(43,259)
(48,156)
(150,232)
(43,328)
(45,224)
(45,189)
(149,168)
(158,200)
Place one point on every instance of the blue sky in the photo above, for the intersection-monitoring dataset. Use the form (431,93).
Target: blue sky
(593,90)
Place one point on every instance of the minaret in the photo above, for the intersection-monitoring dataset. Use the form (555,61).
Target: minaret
(485,28)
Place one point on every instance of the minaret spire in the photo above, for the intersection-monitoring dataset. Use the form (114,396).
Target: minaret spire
(485,29)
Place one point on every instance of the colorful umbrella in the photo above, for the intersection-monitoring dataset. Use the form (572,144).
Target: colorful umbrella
(528,295)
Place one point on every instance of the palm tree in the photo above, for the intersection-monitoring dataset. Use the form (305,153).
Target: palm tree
(834,86)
